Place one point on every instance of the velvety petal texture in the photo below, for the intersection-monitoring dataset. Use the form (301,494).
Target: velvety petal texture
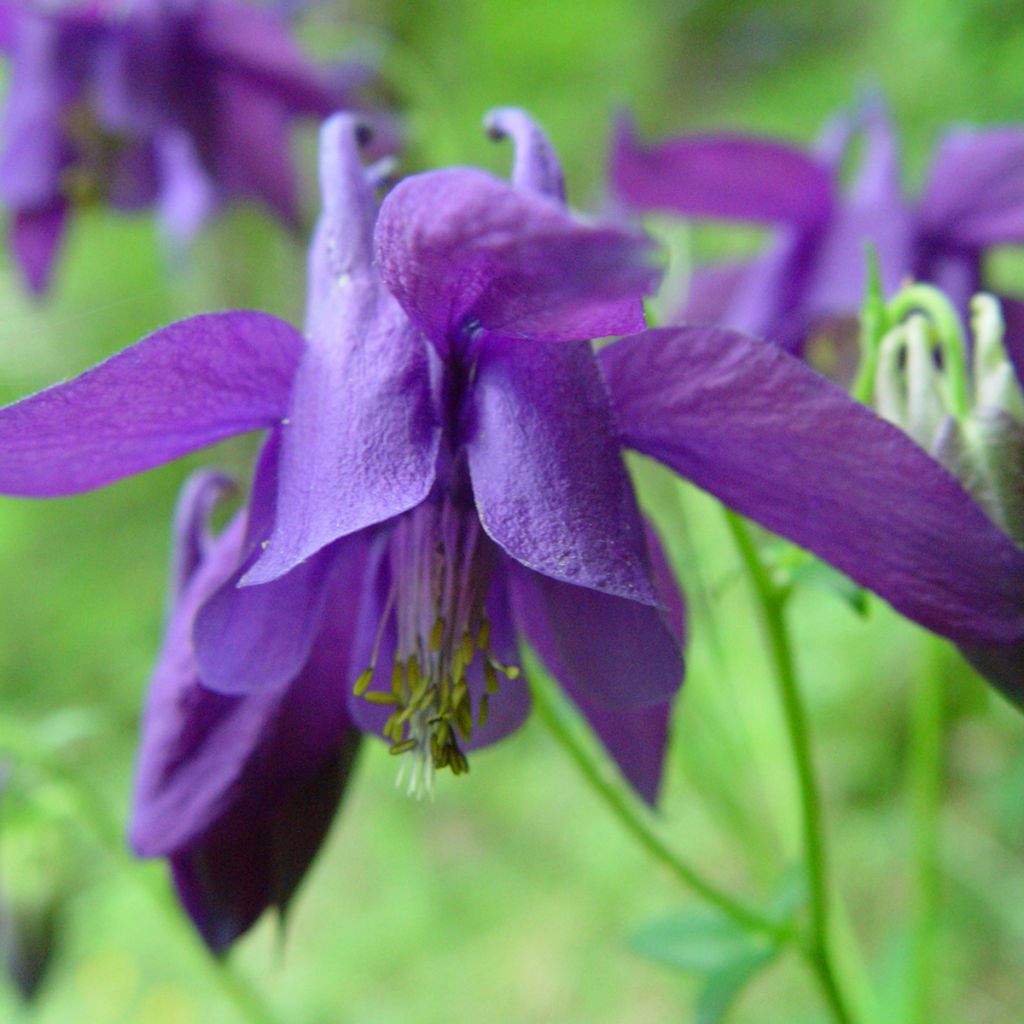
(361,438)
(463,251)
(184,387)
(547,473)
(721,176)
(779,443)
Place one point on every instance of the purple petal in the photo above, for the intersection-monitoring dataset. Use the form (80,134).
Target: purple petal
(251,154)
(361,441)
(769,299)
(617,653)
(537,167)
(711,292)
(205,756)
(192,538)
(257,856)
(184,387)
(256,638)
(975,193)
(774,440)
(35,235)
(36,147)
(721,176)
(462,250)
(874,212)
(636,738)
(257,43)
(187,196)
(547,473)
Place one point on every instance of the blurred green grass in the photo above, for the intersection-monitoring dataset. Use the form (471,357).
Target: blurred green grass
(510,898)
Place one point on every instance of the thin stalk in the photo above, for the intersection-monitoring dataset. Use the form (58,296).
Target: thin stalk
(924,781)
(634,820)
(770,605)
(92,810)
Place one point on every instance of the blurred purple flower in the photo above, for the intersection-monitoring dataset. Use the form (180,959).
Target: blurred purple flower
(180,105)
(811,277)
(443,473)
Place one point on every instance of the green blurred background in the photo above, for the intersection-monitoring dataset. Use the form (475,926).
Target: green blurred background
(511,898)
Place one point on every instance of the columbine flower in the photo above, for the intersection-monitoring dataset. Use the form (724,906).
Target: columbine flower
(810,278)
(177,104)
(445,449)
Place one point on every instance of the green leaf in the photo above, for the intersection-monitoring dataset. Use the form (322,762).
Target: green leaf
(724,985)
(700,940)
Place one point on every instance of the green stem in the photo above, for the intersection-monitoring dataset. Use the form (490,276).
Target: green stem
(925,785)
(770,602)
(634,820)
(106,830)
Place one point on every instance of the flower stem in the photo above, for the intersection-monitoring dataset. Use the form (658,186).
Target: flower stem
(106,830)
(635,820)
(770,602)
(925,785)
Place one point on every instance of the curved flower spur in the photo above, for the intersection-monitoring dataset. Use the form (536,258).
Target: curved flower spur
(445,452)
(180,106)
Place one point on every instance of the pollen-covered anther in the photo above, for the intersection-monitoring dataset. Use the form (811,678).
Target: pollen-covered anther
(433,709)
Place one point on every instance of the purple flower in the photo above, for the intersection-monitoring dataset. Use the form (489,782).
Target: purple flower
(179,105)
(238,792)
(810,278)
(443,477)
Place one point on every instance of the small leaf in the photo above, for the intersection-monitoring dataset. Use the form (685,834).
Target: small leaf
(722,987)
(700,940)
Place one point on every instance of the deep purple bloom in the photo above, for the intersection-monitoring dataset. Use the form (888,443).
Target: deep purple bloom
(811,277)
(179,105)
(443,476)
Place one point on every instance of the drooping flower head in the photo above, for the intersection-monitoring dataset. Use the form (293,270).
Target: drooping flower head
(810,278)
(443,479)
(179,105)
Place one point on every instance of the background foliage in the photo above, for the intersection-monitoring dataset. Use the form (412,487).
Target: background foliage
(512,897)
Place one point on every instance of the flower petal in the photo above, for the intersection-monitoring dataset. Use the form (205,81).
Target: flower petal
(184,387)
(257,638)
(975,192)
(35,237)
(547,473)
(256,857)
(770,437)
(874,212)
(361,440)
(721,176)
(617,653)
(461,249)
(192,540)
(257,43)
(205,756)
(251,155)
(636,739)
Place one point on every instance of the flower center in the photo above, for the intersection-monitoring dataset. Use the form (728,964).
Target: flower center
(441,571)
